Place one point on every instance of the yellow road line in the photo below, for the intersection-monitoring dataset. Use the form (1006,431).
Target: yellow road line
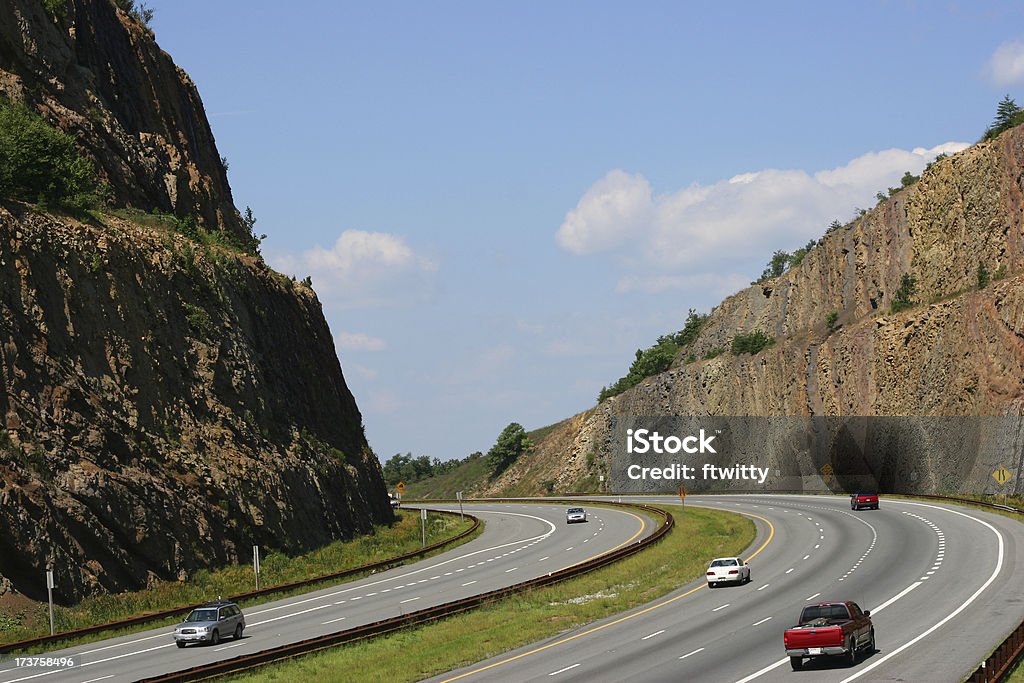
(771,535)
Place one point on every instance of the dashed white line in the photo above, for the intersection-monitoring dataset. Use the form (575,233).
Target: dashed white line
(764,586)
(228,647)
(469,583)
(511,570)
(722,607)
(656,633)
(690,654)
(758,623)
(324,623)
(409,600)
(555,673)
(811,597)
(546,557)
(790,569)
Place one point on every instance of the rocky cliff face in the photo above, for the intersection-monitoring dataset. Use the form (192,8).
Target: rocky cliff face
(959,352)
(164,404)
(98,74)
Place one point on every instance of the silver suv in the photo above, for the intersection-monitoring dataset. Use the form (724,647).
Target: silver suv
(210,623)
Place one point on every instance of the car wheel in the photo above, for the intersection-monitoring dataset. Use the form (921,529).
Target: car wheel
(711,585)
(750,577)
(238,632)
(871,643)
(851,657)
(796,662)
(215,638)
(179,643)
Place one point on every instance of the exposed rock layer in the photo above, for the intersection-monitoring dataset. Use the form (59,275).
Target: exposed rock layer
(98,74)
(961,354)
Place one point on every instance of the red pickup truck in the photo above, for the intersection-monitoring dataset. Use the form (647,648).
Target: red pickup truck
(863,500)
(830,628)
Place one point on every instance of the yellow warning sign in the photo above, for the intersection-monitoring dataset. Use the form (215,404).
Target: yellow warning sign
(401,487)
(1002,475)
(682,492)
(826,474)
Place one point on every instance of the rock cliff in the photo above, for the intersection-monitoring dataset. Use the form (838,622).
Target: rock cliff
(97,74)
(165,403)
(958,352)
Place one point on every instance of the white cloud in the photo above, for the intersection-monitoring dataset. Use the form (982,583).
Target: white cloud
(357,341)
(1006,66)
(705,228)
(611,210)
(363,269)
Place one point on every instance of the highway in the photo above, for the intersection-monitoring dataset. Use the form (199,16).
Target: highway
(943,583)
(519,542)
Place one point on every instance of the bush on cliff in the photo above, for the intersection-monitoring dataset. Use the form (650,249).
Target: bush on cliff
(41,164)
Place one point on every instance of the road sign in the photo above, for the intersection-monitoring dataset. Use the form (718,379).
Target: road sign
(400,488)
(1002,475)
(682,494)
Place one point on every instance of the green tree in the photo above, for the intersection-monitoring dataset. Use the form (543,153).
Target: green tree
(983,276)
(830,319)
(904,297)
(39,163)
(776,266)
(752,343)
(511,443)
(1008,115)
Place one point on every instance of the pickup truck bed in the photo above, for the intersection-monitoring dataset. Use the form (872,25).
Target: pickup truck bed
(830,628)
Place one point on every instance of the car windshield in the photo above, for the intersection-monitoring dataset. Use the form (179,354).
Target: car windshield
(724,563)
(826,612)
(575,510)
(202,615)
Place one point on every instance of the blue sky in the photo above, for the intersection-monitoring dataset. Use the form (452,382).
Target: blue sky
(499,203)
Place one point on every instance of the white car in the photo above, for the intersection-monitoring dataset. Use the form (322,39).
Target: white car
(728,570)
(575,515)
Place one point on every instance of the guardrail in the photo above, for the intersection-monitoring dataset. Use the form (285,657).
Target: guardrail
(426,615)
(263,592)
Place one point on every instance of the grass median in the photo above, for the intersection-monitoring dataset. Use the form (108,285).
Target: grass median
(28,620)
(700,534)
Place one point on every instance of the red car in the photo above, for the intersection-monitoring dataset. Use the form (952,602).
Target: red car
(830,628)
(864,500)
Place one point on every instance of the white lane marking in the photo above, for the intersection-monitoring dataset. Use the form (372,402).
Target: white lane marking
(228,647)
(101,678)
(424,570)
(98,661)
(722,607)
(324,623)
(546,557)
(789,570)
(656,633)
(292,614)
(569,548)
(511,570)
(812,596)
(555,673)
(806,556)
(758,623)
(402,602)
(340,602)
(690,654)
(370,595)
(438,577)
(469,583)
(764,586)
(951,615)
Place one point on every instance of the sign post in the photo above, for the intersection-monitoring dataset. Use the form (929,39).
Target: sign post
(50,585)
(400,488)
(256,564)
(423,525)
(458,494)
(682,495)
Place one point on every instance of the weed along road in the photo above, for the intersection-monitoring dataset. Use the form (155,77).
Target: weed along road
(520,541)
(942,582)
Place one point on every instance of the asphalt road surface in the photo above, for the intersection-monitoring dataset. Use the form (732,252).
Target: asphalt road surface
(944,583)
(520,542)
